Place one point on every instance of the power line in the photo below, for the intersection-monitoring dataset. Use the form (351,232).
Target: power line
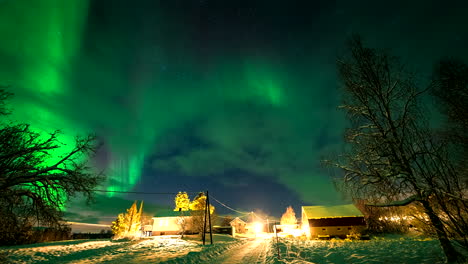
(240,212)
(161,193)
(258,216)
(244,215)
(174,193)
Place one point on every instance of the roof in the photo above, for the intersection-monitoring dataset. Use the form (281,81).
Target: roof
(237,219)
(314,212)
(170,213)
(338,221)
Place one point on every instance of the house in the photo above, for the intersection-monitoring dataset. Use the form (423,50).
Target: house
(147,230)
(238,225)
(171,223)
(331,221)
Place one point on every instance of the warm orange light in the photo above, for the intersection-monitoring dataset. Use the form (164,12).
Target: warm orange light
(258,227)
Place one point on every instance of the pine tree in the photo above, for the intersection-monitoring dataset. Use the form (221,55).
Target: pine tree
(289,217)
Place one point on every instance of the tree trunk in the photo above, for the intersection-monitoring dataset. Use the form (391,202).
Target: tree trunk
(452,255)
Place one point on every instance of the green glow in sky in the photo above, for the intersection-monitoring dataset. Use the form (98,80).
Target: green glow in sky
(197,89)
(39,41)
(133,84)
(125,173)
(265,82)
(42,37)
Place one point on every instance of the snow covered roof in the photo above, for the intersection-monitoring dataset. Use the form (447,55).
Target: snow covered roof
(170,213)
(314,212)
(237,219)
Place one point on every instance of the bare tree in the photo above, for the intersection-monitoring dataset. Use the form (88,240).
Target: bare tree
(450,89)
(393,158)
(35,183)
(198,207)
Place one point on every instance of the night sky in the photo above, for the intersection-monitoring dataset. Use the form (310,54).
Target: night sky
(235,97)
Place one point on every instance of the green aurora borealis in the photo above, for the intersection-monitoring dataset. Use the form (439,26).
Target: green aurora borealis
(190,95)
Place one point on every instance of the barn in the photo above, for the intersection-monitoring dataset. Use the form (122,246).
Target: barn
(169,223)
(332,221)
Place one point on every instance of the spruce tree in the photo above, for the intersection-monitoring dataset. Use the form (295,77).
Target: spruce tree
(128,225)
(289,217)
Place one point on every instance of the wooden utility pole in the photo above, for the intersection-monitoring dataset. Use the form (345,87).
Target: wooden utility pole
(204,221)
(277,242)
(207,212)
(209,216)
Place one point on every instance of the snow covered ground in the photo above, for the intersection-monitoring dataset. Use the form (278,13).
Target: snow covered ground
(152,250)
(227,250)
(383,250)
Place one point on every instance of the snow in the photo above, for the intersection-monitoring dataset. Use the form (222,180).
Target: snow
(228,250)
(377,250)
(155,250)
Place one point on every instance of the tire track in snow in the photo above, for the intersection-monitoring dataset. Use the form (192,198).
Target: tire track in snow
(252,252)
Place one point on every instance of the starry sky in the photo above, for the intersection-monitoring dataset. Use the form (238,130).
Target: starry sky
(235,97)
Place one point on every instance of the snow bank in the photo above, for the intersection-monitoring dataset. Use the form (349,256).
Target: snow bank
(378,250)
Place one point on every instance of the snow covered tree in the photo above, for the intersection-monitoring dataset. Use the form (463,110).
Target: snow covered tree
(199,203)
(393,159)
(133,219)
(182,202)
(119,226)
(128,225)
(289,217)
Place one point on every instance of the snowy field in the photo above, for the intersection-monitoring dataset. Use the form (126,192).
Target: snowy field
(388,250)
(227,250)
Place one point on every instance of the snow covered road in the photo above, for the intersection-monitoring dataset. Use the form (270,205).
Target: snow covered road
(253,252)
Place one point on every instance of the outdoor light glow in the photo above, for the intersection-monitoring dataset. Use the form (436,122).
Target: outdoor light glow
(297,232)
(258,227)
